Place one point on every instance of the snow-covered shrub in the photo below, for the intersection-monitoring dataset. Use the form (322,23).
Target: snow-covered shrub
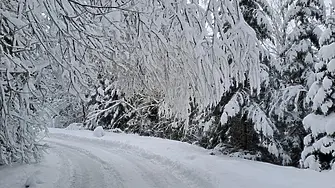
(98,132)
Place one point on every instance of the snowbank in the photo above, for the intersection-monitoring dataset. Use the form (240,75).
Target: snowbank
(115,130)
(75,126)
(99,132)
(35,175)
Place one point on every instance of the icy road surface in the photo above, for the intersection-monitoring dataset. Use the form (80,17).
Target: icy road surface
(77,159)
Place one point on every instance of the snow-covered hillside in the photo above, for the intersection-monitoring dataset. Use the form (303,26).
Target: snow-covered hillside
(76,158)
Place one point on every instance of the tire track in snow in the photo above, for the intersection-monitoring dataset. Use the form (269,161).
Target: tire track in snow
(167,169)
(169,175)
(132,175)
(84,172)
(81,169)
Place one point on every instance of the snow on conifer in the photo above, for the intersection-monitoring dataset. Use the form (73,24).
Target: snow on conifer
(306,16)
(319,148)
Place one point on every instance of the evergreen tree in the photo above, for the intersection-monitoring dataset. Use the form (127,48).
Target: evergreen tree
(257,14)
(240,118)
(319,151)
(296,42)
(300,52)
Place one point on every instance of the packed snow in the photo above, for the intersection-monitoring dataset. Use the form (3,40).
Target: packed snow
(34,180)
(77,158)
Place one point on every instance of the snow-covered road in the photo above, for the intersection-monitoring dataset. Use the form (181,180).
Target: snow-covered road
(89,164)
(77,159)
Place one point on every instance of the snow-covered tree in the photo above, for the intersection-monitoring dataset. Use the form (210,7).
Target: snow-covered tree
(38,38)
(294,54)
(238,116)
(257,14)
(319,151)
(187,52)
(300,52)
(187,70)
(19,119)
(297,33)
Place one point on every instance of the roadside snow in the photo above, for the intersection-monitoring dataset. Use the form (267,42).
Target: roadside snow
(75,126)
(41,175)
(34,180)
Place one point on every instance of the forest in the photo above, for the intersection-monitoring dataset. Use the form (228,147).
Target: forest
(247,78)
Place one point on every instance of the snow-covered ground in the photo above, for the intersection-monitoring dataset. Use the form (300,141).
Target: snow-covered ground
(78,159)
